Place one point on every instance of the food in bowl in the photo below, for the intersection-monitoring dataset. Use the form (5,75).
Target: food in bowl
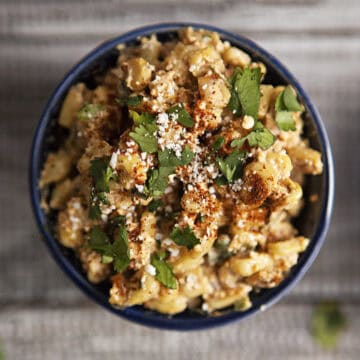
(180,176)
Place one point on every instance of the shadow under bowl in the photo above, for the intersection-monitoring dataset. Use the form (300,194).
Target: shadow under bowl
(313,221)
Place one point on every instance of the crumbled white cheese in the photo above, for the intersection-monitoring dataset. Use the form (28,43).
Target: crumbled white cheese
(167,242)
(205,307)
(158,236)
(248,122)
(191,280)
(76,205)
(237,185)
(240,223)
(150,269)
(113,160)
(139,188)
(174,252)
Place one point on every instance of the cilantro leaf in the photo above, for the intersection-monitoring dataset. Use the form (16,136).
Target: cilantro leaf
(154,205)
(327,323)
(231,166)
(185,237)
(279,103)
(221,180)
(158,178)
(131,101)
(143,118)
(102,197)
(227,170)
(114,223)
(101,173)
(89,111)
(98,240)
(285,103)
(179,114)
(285,121)
(245,92)
(218,143)
(120,251)
(234,102)
(145,139)
(238,142)
(167,158)
(261,137)
(145,131)
(157,181)
(290,101)
(248,89)
(164,273)
(94,212)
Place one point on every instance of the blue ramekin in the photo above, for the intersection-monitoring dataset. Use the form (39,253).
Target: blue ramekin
(187,320)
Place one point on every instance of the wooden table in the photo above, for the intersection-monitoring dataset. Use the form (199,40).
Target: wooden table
(42,314)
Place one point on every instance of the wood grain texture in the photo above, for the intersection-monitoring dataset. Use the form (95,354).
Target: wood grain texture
(42,314)
(32,333)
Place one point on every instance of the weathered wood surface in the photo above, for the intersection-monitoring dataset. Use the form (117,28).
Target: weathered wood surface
(42,315)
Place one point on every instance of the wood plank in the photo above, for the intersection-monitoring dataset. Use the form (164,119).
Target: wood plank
(37,333)
(115,17)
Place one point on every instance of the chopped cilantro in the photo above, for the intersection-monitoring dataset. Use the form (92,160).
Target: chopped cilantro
(221,180)
(89,111)
(145,131)
(327,323)
(290,101)
(286,102)
(157,181)
(231,166)
(98,241)
(94,212)
(239,142)
(167,158)
(130,101)
(185,237)
(285,121)
(143,118)
(164,273)
(155,204)
(245,92)
(118,252)
(234,102)
(102,198)
(101,173)
(201,218)
(259,136)
(114,223)
(158,178)
(179,113)
(218,143)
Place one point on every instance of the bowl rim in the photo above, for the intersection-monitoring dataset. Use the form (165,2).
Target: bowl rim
(153,319)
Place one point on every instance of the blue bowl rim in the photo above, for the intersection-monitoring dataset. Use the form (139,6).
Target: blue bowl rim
(138,315)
